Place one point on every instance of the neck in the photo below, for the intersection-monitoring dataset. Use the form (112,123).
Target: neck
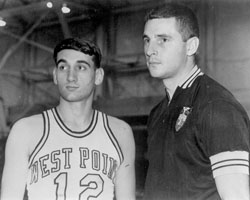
(171,83)
(76,115)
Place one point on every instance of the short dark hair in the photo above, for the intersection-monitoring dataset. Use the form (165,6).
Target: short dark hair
(185,17)
(84,46)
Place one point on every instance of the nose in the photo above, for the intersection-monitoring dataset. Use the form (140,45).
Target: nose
(150,49)
(72,75)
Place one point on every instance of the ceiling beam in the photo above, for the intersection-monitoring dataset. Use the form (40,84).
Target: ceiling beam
(65,27)
(40,6)
(20,10)
(14,47)
(138,6)
(69,20)
(80,6)
(33,43)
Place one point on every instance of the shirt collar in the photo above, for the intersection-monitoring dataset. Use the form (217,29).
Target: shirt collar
(190,78)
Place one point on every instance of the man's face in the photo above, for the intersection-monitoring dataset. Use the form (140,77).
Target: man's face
(75,75)
(164,48)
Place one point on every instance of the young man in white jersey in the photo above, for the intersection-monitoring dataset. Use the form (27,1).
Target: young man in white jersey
(71,151)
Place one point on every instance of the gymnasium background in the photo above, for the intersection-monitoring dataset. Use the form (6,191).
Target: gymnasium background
(128,92)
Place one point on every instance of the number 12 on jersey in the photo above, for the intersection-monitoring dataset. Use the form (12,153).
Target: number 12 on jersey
(91,184)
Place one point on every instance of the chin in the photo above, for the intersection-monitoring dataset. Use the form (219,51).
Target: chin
(154,74)
(71,98)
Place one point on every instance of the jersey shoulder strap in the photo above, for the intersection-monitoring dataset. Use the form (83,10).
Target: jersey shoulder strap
(112,136)
(46,128)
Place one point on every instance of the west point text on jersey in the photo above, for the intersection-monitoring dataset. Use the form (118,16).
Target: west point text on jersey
(59,160)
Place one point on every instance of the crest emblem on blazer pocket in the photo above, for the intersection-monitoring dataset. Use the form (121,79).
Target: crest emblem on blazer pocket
(182,118)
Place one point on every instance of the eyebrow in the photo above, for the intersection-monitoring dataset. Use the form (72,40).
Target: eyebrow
(164,35)
(83,62)
(158,35)
(78,61)
(60,60)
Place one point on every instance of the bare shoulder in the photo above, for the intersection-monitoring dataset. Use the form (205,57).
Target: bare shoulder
(27,131)
(124,134)
(120,127)
(28,124)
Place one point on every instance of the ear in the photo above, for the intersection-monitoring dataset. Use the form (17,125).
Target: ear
(192,45)
(99,75)
(54,76)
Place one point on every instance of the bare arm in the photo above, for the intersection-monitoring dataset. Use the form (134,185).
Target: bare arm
(231,174)
(125,177)
(17,152)
(15,166)
(233,186)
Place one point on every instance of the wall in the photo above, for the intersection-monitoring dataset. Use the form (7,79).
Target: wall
(224,53)
(228,46)
(224,50)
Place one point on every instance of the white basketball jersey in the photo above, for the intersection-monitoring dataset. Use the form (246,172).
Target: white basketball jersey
(68,165)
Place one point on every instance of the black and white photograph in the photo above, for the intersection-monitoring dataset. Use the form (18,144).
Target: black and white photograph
(124,99)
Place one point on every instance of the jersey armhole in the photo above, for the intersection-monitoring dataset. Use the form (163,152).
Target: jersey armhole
(44,137)
(112,137)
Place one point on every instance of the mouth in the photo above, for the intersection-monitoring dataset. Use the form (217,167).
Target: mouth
(71,88)
(153,63)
